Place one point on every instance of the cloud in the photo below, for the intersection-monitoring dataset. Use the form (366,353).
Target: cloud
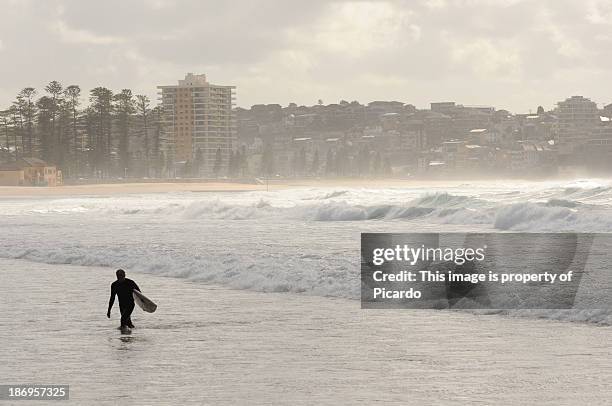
(510,53)
(79,36)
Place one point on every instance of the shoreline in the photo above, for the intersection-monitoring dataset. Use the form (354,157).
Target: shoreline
(109,189)
(224,346)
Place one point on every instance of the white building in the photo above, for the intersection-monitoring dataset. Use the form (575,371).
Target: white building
(578,116)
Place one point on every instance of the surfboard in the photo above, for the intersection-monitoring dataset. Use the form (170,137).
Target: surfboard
(144,302)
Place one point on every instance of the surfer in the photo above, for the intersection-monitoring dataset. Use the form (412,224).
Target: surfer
(123,288)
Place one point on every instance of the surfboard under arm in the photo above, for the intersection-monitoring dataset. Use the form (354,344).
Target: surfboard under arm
(144,302)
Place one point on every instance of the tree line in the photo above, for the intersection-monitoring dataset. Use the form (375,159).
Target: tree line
(114,134)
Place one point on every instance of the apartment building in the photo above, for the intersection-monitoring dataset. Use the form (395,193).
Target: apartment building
(198,119)
(578,117)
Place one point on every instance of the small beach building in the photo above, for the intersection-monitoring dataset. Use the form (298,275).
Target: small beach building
(29,172)
(11,175)
(38,173)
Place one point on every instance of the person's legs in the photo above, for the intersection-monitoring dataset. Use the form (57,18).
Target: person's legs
(126,313)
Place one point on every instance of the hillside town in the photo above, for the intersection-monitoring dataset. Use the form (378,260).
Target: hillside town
(197,132)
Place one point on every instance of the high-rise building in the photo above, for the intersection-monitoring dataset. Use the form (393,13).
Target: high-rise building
(198,121)
(578,117)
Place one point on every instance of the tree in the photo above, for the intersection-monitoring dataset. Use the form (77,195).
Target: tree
(142,105)
(45,127)
(124,106)
(314,168)
(329,162)
(17,124)
(217,166)
(100,132)
(301,161)
(55,90)
(237,164)
(294,163)
(157,116)
(243,164)
(25,102)
(5,122)
(72,94)
(540,110)
(159,164)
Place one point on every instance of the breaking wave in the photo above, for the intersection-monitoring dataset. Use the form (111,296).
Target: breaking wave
(144,233)
(310,274)
(443,208)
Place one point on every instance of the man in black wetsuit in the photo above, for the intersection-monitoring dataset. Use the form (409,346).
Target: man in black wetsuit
(123,288)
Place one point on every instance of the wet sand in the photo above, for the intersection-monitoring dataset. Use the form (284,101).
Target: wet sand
(211,345)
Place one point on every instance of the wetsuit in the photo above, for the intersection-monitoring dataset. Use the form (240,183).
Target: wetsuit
(123,289)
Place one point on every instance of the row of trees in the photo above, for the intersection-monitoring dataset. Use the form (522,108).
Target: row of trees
(119,135)
(114,134)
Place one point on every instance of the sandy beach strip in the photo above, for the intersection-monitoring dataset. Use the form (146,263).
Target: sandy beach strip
(211,345)
(127,188)
(168,187)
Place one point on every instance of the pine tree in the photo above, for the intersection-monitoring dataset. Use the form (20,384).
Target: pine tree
(301,161)
(45,127)
(156,114)
(55,90)
(329,162)
(72,94)
(5,123)
(142,103)
(314,168)
(27,111)
(17,125)
(124,105)
(101,125)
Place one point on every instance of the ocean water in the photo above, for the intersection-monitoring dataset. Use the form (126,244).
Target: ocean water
(302,240)
(239,347)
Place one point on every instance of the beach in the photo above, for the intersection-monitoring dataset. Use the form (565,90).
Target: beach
(208,344)
(108,189)
(116,188)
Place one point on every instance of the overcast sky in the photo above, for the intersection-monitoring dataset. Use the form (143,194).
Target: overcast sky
(510,54)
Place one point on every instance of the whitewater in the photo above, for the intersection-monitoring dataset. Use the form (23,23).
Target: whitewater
(301,240)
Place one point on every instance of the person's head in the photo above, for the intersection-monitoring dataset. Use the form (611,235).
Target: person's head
(120,273)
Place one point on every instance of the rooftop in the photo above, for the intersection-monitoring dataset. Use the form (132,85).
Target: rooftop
(32,162)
